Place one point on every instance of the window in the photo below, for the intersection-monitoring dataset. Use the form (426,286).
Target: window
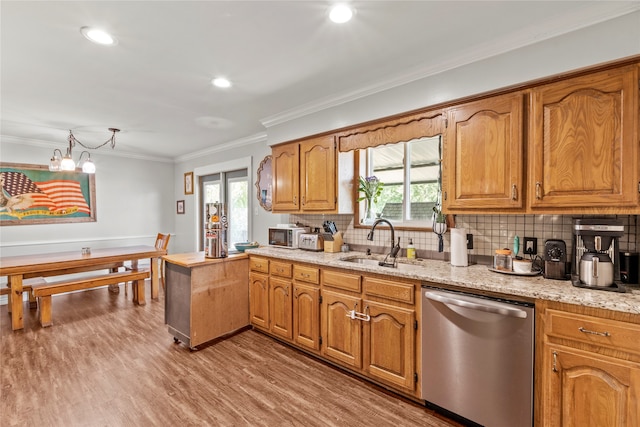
(231,188)
(410,172)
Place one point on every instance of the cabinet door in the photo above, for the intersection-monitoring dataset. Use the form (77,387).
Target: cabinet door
(318,174)
(588,390)
(342,336)
(259,300)
(584,142)
(286,178)
(389,344)
(280,298)
(484,154)
(306,316)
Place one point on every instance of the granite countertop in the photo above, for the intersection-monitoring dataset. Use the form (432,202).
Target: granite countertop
(474,277)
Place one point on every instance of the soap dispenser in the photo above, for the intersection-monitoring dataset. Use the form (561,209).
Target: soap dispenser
(411,250)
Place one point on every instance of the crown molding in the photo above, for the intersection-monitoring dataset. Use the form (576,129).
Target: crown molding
(252,139)
(560,25)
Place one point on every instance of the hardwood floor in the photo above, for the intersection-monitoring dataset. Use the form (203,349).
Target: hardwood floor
(108,362)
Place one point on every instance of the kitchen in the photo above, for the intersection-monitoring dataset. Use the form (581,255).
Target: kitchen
(151,178)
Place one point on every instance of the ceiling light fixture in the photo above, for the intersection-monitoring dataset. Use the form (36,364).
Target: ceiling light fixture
(66,163)
(221,82)
(341,13)
(98,36)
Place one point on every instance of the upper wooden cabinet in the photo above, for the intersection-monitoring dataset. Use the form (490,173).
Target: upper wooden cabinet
(307,177)
(483,155)
(285,166)
(583,147)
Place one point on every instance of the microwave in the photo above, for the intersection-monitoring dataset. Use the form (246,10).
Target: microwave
(285,237)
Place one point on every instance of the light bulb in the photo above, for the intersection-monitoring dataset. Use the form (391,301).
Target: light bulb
(89,167)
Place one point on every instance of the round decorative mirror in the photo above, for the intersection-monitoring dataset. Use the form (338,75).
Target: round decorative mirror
(263,183)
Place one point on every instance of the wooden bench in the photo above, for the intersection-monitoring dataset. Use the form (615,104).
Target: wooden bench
(27,286)
(37,279)
(44,291)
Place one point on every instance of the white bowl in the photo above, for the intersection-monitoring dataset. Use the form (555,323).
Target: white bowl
(522,265)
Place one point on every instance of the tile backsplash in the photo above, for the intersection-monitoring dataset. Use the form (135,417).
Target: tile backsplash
(490,232)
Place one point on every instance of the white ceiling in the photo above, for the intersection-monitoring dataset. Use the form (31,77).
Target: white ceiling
(283,57)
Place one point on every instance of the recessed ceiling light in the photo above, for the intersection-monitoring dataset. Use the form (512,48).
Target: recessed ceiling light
(98,36)
(221,82)
(340,13)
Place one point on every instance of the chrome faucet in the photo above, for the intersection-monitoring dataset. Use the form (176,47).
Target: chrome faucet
(395,247)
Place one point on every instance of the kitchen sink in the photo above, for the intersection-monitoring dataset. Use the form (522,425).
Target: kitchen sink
(376,263)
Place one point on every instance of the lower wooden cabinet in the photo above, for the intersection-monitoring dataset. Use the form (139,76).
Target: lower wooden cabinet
(259,299)
(280,300)
(377,337)
(589,390)
(389,344)
(306,316)
(342,334)
(365,324)
(590,370)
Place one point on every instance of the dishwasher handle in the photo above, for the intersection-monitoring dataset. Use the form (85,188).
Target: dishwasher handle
(477,304)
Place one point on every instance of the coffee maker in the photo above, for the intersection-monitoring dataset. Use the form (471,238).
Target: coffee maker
(596,259)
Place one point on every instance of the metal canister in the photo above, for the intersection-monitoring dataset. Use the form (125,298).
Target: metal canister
(215,245)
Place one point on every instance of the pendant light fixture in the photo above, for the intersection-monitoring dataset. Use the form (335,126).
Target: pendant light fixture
(66,163)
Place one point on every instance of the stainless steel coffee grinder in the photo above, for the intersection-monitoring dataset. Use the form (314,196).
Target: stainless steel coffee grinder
(596,259)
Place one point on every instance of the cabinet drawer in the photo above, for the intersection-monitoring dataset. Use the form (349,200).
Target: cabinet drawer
(341,280)
(259,264)
(306,274)
(593,330)
(403,292)
(281,269)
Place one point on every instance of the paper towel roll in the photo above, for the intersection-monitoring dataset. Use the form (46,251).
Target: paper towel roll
(459,256)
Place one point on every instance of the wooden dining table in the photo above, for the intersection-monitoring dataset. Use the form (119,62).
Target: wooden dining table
(18,268)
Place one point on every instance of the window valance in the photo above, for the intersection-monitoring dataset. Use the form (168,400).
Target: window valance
(401,129)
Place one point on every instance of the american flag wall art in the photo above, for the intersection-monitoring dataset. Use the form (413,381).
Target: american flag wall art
(31,194)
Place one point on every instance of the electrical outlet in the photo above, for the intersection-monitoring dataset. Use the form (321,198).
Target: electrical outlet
(530,245)
(469,241)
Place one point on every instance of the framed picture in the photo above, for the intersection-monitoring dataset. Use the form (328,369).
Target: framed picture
(188,183)
(31,194)
(180,207)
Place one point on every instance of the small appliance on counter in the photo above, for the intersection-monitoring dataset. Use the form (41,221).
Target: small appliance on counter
(286,235)
(596,257)
(215,231)
(630,267)
(311,241)
(555,259)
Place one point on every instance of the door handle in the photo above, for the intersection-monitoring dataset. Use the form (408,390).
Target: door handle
(462,301)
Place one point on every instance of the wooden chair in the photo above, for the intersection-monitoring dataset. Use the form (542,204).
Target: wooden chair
(162,242)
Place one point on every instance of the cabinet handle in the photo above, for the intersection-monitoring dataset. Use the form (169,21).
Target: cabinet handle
(445,195)
(555,361)
(295,200)
(587,331)
(303,201)
(366,317)
(538,190)
(295,293)
(514,192)
(286,291)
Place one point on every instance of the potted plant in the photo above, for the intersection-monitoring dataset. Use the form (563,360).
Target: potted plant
(371,187)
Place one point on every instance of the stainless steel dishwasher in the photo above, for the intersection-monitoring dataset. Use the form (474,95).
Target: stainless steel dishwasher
(477,357)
